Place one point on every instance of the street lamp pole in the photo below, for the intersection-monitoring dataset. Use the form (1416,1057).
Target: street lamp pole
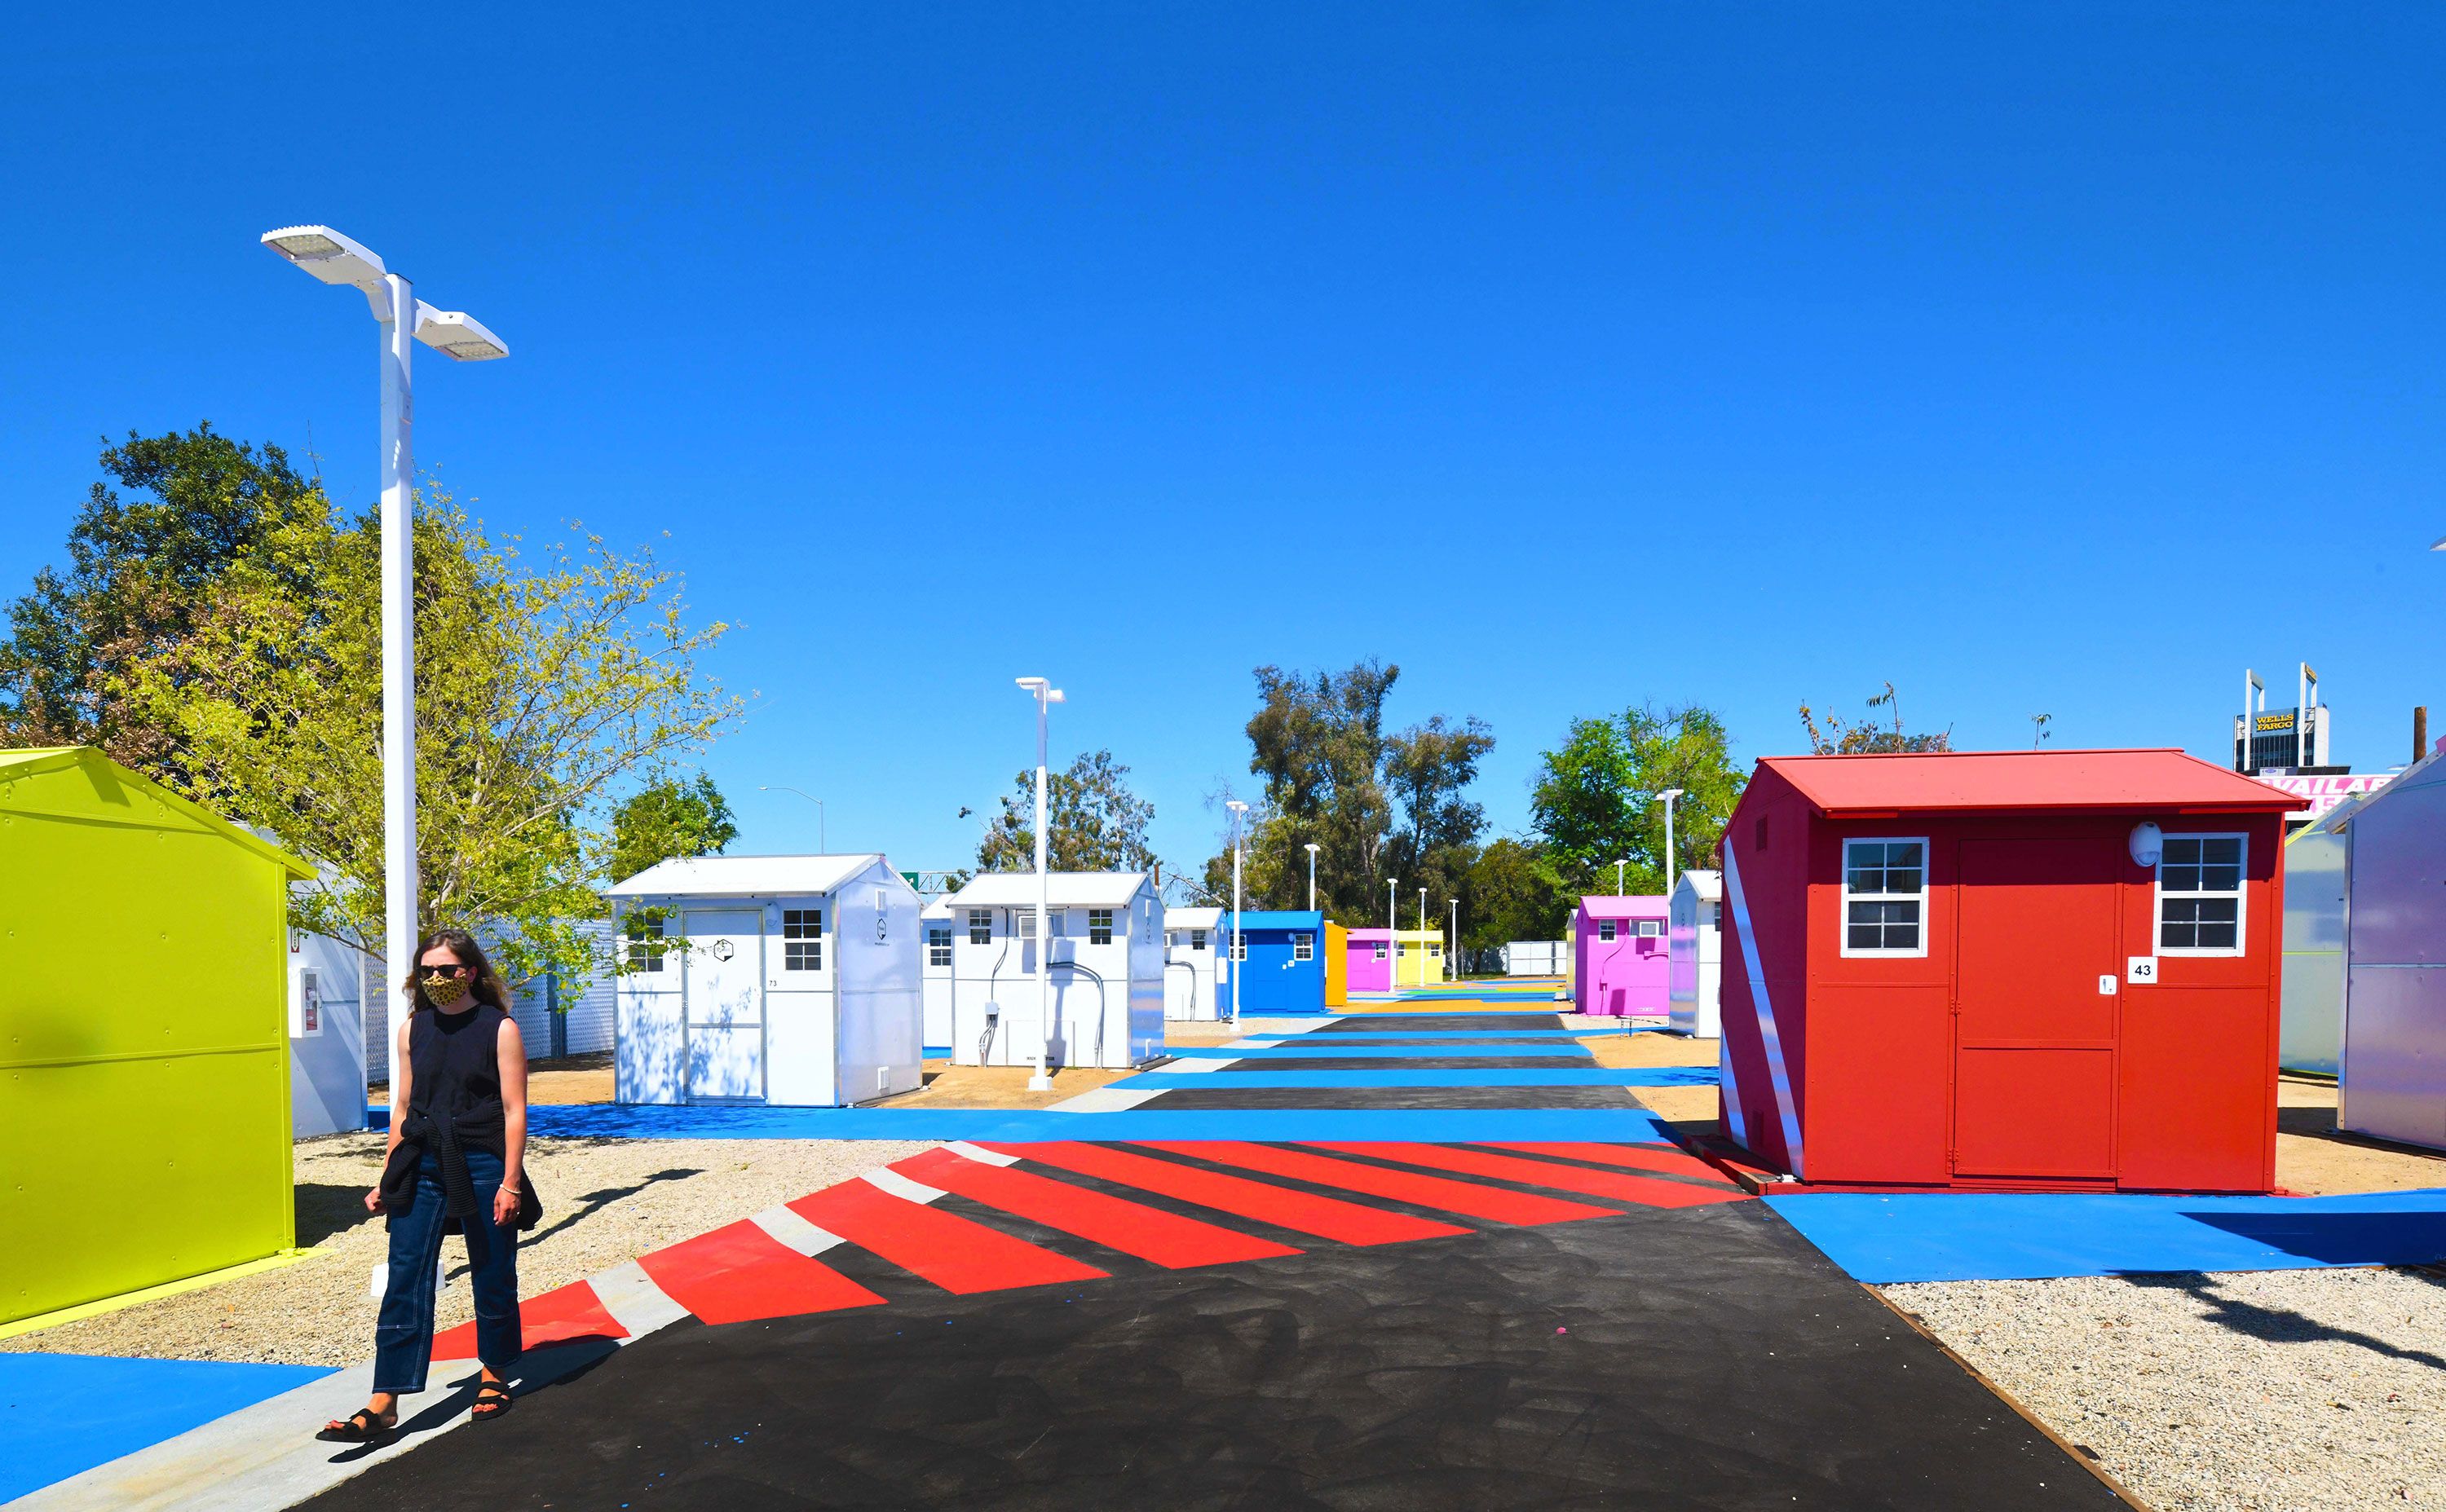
(1423,936)
(1451,944)
(1668,795)
(823,844)
(1046,695)
(1237,808)
(334,259)
(1392,933)
(1617,876)
(1311,849)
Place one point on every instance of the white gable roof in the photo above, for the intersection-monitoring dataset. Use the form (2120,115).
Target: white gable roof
(1710,886)
(1193,918)
(743,876)
(1064,889)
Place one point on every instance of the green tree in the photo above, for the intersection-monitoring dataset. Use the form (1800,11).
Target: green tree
(1429,768)
(668,817)
(538,690)
(1512,892)
(1097,824)
(1594,800)
(142,566)
(1868,737)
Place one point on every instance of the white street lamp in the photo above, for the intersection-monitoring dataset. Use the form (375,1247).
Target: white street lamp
(823,846)
(1392,932)
(1452,946)
(1423,936)
(1237,808)
(1617,877)
(1667,796)
(335,259)
(1046,695)
(1311,849)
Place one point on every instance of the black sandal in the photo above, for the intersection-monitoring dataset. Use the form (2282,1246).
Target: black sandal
(492,1400)
(364,1426)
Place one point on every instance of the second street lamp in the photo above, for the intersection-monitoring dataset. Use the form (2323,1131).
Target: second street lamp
(334,259)
(1046,695)
(1311,849)
(1237,808)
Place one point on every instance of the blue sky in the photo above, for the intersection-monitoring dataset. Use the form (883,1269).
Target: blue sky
(2060,359)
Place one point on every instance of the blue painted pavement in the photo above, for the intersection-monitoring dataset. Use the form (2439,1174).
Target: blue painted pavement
(1373,1035)
(1452,1125)
(1999,1236)
(63,1414)
(1334,1047)
(1232,1078)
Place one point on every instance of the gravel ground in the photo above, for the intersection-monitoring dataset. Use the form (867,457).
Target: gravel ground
(2262,1390)
(605,1201)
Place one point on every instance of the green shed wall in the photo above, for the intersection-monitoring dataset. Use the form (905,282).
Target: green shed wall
(144,1039)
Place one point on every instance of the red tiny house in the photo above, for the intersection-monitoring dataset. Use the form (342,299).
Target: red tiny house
(1950,970)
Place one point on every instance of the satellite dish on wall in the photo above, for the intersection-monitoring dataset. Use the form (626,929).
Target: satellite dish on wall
(2148,844)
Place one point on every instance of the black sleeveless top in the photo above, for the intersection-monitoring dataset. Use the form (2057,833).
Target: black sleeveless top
(454,1059)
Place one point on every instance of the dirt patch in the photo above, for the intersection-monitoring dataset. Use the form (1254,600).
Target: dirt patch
(998,1086)
(1617,1051)
(2312,1158)
(1690,1111)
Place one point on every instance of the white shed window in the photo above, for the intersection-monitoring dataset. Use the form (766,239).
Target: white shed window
(1197,939)
(938,944)
(1435,950)
(2199,895)
(1605,931)
(981,927)
(1303,948)
(645,943)
(1100,927)
(803,940)
(1024,922)
(1379,950)
(1885,897)
(1239,947)
(1650,928)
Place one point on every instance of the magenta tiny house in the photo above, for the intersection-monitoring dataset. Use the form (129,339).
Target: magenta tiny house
(1619,962)
(1370,960)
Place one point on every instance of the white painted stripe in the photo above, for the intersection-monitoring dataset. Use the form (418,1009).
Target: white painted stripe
(634,1300)
(978,1152)
(899,1186)
(794,1232)
(1767,1035)
(1732,1089)
(1105,1100)
(1193,1067)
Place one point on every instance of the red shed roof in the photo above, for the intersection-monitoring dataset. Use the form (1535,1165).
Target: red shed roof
(2025,780)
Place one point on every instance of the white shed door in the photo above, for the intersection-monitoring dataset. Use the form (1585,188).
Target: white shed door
(726,1005)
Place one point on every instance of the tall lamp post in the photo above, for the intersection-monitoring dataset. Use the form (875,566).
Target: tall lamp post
(1046,695)
(1617,876)
(823,844)
(1237,808)
(1667,796)
(1311,849)
(1392,928)
(1451,944)
(1423,936)
(334,259)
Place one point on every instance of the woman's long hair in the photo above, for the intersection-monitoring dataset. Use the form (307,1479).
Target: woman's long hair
(483,983)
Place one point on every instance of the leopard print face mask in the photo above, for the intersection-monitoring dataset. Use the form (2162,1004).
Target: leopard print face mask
(445,992)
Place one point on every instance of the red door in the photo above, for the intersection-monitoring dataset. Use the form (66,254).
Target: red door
(2035,978)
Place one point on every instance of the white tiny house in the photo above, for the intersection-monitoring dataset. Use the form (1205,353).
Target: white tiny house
(936,971)
(788,980)
(1191,941)
(1694,942)
(1104,970)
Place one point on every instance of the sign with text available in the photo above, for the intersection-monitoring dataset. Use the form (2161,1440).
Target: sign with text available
(2325,792)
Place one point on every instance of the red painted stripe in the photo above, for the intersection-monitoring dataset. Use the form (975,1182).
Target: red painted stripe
(1301,1212)
(1134,1228)
(1467,1198)
(1634,1157)
(1646,1190)
(955,1254)
(555,1317)
(739,1273)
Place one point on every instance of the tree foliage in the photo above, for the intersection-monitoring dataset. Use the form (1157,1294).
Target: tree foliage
(1096,824)
(540,689)
(1868,736)
(667,818)
(144,565)
(1513,892)
(1595,797)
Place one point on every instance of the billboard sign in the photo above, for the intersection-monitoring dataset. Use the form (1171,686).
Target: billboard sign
(2325,792)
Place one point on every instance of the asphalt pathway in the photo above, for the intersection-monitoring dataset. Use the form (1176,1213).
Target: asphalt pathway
(1309,1323)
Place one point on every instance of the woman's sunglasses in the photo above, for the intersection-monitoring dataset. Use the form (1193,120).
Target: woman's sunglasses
(456,968)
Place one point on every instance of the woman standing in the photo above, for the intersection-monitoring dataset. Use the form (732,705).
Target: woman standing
(457,1163)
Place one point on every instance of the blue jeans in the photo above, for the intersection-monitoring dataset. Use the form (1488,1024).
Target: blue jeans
(404,1335)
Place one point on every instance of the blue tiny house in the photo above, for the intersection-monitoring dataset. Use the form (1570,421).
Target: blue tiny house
(1282,964)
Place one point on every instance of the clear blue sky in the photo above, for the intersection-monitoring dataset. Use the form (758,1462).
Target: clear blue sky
(2040,358)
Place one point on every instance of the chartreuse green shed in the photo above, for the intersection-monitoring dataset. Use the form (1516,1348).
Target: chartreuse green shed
(144,1036)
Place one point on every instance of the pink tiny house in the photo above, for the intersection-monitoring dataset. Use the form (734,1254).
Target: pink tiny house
(1619,962)
(1371,960)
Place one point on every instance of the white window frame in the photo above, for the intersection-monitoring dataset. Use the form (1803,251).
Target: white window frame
(980,927)
(796,943)
(1379,950)
(1652,928)
(1843,913)
(643,944)
(1239,950)
(1105,923)
(2241,896)
(1197,939)
(938,944)
(1606,931)
(1303,948)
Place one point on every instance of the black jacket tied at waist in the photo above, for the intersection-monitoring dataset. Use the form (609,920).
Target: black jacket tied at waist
(481,1126)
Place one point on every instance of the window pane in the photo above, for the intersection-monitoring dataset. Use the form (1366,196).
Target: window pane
(2225,850)
(1903,854)
(1865,937)
(2179,879)
(2182,851)
(2227,878)
(1902,879)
